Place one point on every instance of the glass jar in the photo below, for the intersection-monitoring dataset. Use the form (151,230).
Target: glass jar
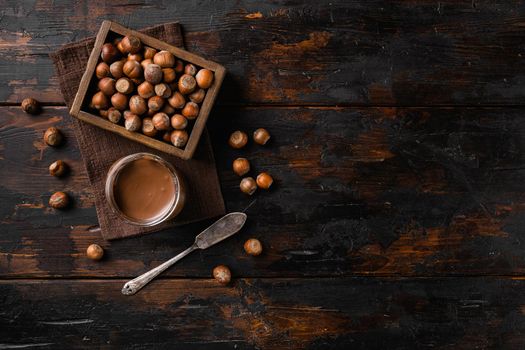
(145,190)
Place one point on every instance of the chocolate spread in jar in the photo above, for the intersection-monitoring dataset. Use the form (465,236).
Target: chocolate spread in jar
(144,189)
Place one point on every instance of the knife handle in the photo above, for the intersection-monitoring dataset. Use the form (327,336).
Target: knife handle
(138,283)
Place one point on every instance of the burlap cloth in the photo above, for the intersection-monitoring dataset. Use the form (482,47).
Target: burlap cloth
(100,148)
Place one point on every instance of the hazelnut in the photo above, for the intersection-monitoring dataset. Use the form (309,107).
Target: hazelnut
(163,90)
(103,113)
(149,52)
(131,44)
(161,121)
(164,58)
(53,137)
(177,100)
(132,122)
(150,113)
(116,69)
(166,136)
(102,70)
(109,53)
(135,57)
(137,105)
(169,75)
(146,90)
(190,69)
(264,181)
(107,86)
(148,128)
(30,105)
(204,78)
(190,110)
(58,168)
(155,103)
(253,247)
(222,274)
(238,139)
(179,138)
(94,252)
(124,86)
(187,84)
(179,66)
(178,122)
(168,109)
(137,81)
(100,101)
(132,69)
(261,136)
(248,185)
(59,200)
(241,166)
(114,115)
(119,101)
(197,96)
(153,73)
(146,63)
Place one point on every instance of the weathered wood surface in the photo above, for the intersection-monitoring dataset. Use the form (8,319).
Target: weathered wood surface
(308,52)
(357,313)
(379,191)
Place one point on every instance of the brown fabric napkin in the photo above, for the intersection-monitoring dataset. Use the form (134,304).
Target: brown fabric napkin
(100,148)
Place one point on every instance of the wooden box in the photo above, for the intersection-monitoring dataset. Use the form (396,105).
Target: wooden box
(80,107)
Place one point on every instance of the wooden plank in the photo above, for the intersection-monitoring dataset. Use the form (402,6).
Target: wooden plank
(362,313)
(411,191)
(337,52)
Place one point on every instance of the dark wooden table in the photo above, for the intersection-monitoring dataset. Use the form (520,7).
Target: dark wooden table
(397,219)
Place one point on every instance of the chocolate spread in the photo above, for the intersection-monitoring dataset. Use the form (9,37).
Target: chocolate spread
(144,189)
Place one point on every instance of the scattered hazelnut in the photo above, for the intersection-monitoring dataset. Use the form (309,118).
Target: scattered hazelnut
(58,168)
(102,70)
(190,110)
(197,96)
(168,109)
(132,122)
(30,105)
(53,137)
(145,63)
(153,73)
(253,247)
(94,252)
(155,103)
(137,105)
(132,69)
(190,69)
(59,200)
(241,166)
(187,84)
(107,86)
(179,138)
(238,139)
(114,115)
(164,58)
(222,274)
(248,185)
(163,90)
(109,53)
(264,181)
(204,78)
(177,100)
(179,66)
(119,101)
(124,86)
(261,136)
(135,56)
(116,69)
(149,52)
(100,101)
(161,121)
(148,128)
(178,122)
(131,44)
(146,90)
(169,75)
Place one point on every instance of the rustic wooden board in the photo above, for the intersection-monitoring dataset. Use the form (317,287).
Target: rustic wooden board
(357,313)
(370,191)
(309,52)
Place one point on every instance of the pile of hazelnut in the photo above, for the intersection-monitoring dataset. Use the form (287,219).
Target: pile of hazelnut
(149,91)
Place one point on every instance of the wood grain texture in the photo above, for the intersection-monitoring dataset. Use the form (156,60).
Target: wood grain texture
(358,313)
(309,52)
(369,191)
